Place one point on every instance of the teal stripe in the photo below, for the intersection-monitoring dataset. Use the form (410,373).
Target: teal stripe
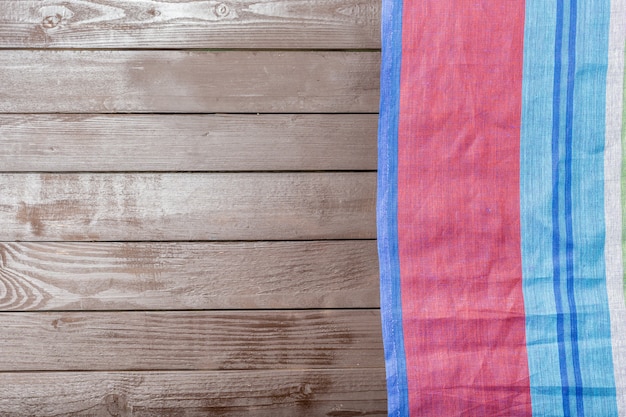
(536,208)
(588,137)
(562,212)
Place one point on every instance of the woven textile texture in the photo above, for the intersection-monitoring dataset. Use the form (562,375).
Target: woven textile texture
(502,197)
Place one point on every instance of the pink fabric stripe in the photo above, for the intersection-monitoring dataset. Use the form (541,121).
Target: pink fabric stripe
(458,208)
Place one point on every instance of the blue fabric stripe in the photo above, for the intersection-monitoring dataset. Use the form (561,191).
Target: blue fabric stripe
(588,137)
(536,170)
(562,208)
(556,239)
(387,207)
(569,238)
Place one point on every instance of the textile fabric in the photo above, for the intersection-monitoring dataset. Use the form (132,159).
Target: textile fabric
(502,194)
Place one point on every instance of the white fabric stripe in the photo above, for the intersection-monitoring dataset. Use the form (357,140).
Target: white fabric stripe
(612,197)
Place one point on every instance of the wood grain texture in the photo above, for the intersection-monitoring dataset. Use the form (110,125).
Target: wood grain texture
(160,257)
(280,393)
(217,206)
(188,82)
(182,275)
(56,143)
(190,340)
(318,24)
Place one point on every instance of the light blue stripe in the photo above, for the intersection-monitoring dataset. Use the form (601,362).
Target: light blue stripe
(536,208)
(588,136)
(557,121)
(578,198)
(387,209)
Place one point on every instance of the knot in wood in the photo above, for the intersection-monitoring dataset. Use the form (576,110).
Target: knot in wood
(51,21)
(306,389)
(116,405)
(222,10)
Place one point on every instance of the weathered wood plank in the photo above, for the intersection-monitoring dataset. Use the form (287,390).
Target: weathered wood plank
(201,206)
(181,275)
(318,24)
(54,143)
(188,82)
(328,393)
(191,340)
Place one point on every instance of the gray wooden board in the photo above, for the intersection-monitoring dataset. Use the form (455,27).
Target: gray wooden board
(190,340)
(188,82)
(223,288)
(182,206)
(188,275)
(319,24)
(273,393)
(74,142)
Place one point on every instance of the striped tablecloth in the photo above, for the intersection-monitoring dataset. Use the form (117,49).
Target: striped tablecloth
(502,195)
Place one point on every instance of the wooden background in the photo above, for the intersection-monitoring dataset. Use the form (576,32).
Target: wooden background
(187,208)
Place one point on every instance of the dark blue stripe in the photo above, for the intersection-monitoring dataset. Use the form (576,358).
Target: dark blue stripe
(536,210)
(556,249)
(569,234)
(387,209)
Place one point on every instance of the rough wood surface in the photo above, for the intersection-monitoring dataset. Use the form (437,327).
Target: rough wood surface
(190,340)
(217,206)
(181,275)
(188,82)
(56,143)
(280,393)
(187,208)
(319,24)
